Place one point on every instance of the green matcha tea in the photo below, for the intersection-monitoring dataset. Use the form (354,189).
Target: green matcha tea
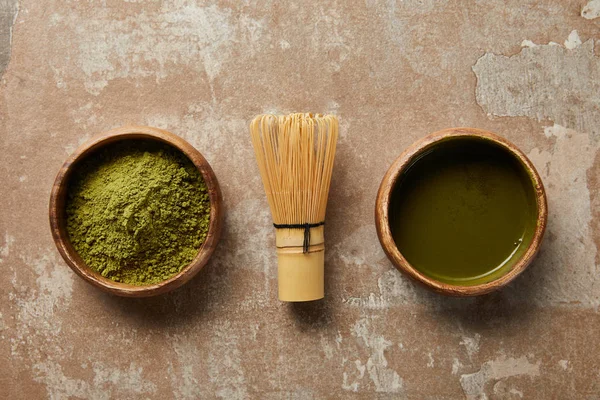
(137,211)
(464,212)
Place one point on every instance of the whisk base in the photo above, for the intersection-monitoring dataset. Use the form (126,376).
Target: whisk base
(301,275)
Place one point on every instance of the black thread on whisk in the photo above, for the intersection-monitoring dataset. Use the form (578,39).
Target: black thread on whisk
(306,228)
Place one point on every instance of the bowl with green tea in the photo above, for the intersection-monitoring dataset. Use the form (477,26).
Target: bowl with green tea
(136,211)
(462,211)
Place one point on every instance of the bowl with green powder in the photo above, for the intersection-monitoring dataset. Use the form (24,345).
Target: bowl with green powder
(136,211)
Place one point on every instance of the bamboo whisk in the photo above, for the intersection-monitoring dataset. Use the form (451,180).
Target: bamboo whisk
(295,157)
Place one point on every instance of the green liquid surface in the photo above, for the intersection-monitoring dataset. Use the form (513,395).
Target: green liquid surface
(464,212)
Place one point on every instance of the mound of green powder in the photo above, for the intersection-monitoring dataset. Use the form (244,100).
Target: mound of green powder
(137,211)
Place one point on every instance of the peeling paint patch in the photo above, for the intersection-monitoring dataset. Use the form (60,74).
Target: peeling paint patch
(591,10)
(573,40)
(527,43)
(284,44)
(456,366)
(543,82)
(564,364)
(430,361)
(471,344)
(5,248)
(385,379)
(8,14)
(474,384)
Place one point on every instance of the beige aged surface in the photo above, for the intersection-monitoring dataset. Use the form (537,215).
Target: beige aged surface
(392,71)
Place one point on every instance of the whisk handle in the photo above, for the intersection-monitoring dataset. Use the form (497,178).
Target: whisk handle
(300,267)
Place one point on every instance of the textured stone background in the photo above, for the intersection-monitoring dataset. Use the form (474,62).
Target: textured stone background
(392,71)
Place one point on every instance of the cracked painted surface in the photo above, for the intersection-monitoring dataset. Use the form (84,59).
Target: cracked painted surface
(393,71)
(544,82)
(495,370)
(591,10)
(8,13)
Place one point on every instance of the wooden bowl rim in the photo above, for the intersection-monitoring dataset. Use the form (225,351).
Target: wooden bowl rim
(57,220)
(406,159)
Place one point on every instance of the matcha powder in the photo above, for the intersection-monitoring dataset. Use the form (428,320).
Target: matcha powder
(137,211)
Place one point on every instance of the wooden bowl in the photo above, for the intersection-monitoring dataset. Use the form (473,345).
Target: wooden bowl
(58,215)
(410,156)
